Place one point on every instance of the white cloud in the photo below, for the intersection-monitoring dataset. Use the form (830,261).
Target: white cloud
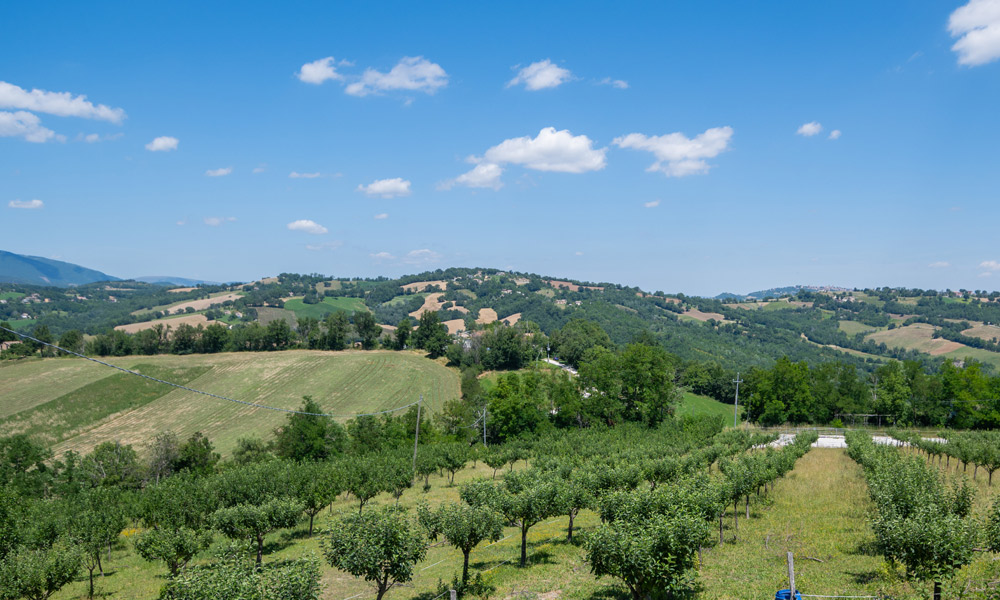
(422,256)
(541,75)
(550,150)
(181,223)
(387,188)
(809,129)
(29,204)
(164,143)
(220,172)
(652,204)
(835,134)
(414,73)
(939,264)
(676,154)
(483,175)
(91,138)
(307,226)
(382,256)
(26,125)
(990,265)
(297,175)
(62,104)
(325,246)
(578,253)
(381,216)
(620,84)
(259,169)
(977,25)
(216,221)
(319,71)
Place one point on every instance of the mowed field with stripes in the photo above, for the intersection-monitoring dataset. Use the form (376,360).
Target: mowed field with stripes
(74,404)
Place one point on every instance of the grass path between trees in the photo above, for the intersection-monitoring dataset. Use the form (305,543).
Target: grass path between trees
(818,512)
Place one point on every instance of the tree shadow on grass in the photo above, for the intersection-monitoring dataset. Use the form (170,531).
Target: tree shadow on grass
(868,548)
(863,577)
(277,545)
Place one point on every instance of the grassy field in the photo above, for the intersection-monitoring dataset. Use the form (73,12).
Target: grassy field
(853,327)
(10,295)
(327,306)
(21,324)
(919,336)
(62,393)
(984,356)
(266,314)
(695,405)
(404,298)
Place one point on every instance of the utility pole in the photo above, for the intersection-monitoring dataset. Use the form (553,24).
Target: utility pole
(484,426)
(736,411)
(416,437)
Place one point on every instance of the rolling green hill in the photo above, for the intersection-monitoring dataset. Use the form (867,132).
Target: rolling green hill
(75,405)
(35,270)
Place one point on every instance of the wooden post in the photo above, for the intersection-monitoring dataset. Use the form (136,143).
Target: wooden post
(453,595)
(791,575)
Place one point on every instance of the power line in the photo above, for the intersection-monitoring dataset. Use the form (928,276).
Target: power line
(209,394)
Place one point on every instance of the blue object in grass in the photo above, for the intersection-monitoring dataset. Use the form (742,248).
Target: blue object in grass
(787,595)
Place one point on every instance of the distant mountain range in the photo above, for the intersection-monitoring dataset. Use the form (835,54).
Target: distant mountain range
(173,280)
(35,270)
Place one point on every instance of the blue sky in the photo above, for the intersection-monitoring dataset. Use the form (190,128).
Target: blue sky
(682,147)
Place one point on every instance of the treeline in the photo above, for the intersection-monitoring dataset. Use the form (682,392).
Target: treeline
(902,393)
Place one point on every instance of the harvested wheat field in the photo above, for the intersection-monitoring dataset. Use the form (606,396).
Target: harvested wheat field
(182,290)
(203,303)
(983,331)
(432,303)
(486,315)
(514,318)
(703,316)
(919,336)
(173,322)
(454,325)
(419,286)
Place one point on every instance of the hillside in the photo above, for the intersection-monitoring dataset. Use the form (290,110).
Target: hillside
(35,270)
(48,398)
(864,328)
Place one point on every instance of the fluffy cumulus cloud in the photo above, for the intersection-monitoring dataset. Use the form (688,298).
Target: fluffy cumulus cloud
(421,257)
(809,129)
(216,221)
(483,175)
(62,104)
(220,172)
(307,226)
(297,175)
(977,25)
(541,75)
(990,265)
(27,204)
(411,73)
(939,264)
(164,143)
(835,134)
(319,71)
(387,188)
(678,155)
(25,125)
(550,150)
(380,256)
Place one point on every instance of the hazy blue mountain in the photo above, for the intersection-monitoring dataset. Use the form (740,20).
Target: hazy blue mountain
(35,270)
(173,280)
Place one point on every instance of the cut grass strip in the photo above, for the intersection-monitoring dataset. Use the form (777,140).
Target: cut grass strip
(90,404)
